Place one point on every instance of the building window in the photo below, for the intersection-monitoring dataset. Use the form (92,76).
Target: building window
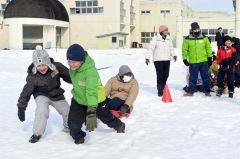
(83,3)
(225,31)
(164,11)
(146,37)
(90,3)
(95,10)
(145,12)
(89,10)
(114,39)
(86,7)
(78,4)
(95,3)
(211,33)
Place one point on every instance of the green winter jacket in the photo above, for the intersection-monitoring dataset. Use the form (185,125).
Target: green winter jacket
(196,49)
(87,86)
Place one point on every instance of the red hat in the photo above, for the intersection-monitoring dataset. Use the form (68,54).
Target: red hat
(163,28)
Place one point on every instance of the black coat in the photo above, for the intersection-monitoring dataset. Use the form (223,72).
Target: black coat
(47,85)
(219,38)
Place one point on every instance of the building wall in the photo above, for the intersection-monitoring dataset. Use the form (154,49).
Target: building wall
(4,34)
(49,31)
(151,22)
(180,18)
(83,28)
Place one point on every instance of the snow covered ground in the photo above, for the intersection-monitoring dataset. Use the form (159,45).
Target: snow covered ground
(195,127)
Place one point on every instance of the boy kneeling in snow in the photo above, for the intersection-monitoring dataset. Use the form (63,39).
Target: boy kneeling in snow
(43,82)
(89,97)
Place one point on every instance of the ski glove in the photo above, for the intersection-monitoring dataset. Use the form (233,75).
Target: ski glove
(124,108)
(185,62)
(21,114)
(147,61)
(91,119)
(209,61)
(175,58)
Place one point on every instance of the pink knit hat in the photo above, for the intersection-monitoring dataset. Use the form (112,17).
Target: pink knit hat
(163,28)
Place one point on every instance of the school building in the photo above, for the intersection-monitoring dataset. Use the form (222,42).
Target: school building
(102,24)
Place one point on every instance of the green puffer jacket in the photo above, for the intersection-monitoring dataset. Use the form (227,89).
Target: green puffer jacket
(196,49)
(87,86)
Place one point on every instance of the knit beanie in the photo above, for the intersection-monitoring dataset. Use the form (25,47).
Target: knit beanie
(41,57)
(123,70)
(195,26)
(76,53)
(163,28)
(226,38)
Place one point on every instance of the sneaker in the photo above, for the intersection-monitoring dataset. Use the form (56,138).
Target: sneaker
(230,94)
(34,138)
(121,128)
(79,141)
(66,129)
(208,94)
(188,94)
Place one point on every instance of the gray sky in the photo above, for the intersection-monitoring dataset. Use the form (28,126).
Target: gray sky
(211,5)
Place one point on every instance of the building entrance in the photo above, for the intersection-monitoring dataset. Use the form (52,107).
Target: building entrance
(32,36)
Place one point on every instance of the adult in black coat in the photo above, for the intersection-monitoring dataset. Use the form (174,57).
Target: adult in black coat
(219,37)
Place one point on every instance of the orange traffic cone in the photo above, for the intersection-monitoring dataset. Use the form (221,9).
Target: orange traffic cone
(166,95)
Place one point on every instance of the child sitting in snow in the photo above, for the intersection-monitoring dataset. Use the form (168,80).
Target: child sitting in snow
(213,71)
(43,82)
(122,90)
(198,85)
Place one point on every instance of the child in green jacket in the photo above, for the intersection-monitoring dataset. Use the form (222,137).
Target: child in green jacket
(89,97)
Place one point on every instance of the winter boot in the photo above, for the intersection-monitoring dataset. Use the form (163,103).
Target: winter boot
(207,94)
(230,94)
(79,141)
(160,90)
(160,94)
(219,92)
(66,129)
(188,94)
(34,138)
(121,128)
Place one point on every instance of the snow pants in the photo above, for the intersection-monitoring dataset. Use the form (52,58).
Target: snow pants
(203,69)
(230,79)
(42,113)
(77,116)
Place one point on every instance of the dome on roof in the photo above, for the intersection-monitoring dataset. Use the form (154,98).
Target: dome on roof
(49,9)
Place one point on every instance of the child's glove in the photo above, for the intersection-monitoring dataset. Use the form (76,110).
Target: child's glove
(209,61)
(124,108)
(91,119)
(147,61)
(185,62)
(21,114)
(175,58)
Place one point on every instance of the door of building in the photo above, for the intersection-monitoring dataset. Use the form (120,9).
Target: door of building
(32,36)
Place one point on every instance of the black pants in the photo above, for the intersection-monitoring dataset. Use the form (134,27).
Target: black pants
(162,71)
(77,116)
(230,79)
